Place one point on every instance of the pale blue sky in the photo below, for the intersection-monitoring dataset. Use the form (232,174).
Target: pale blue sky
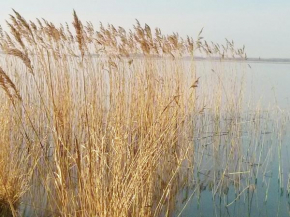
(262,25)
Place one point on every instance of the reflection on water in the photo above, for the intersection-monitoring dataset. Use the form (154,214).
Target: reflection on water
(241,142)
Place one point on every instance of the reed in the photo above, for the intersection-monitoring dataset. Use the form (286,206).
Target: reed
(95,123)
(115,122)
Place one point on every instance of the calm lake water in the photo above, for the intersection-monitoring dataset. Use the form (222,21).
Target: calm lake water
(242,142)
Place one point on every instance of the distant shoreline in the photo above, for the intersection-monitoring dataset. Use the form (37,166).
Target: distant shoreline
(252,60)
(199,58)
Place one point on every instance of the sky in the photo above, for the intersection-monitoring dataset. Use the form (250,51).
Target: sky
(263,26)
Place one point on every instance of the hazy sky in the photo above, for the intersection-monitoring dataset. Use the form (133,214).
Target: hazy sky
(262,25)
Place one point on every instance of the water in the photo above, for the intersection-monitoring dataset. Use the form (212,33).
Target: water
(241,141)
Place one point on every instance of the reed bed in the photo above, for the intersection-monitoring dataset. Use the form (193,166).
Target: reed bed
(115,122)
(97,123)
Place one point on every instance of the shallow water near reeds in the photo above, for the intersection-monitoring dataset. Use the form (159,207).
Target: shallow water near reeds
(242,143)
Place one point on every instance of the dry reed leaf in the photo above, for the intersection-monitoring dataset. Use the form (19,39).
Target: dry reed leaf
(16,35)
(24,57)
(112,63)
(23,21)
(8,86)
(195,84)
(79,32)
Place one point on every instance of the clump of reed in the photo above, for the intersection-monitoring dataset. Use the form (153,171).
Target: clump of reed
(102,121)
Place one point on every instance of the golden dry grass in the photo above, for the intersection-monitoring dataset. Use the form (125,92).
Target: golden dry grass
(96,123)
